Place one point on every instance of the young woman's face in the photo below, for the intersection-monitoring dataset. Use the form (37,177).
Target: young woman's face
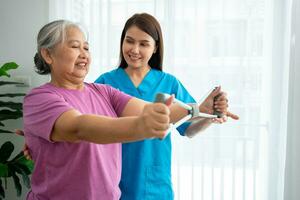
(71,59)
(137,48)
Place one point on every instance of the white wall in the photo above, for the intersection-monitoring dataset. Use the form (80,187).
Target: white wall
(292,175)
(19,24)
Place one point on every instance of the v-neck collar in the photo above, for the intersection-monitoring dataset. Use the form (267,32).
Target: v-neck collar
(149,81)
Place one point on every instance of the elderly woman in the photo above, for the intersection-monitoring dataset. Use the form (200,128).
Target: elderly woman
(73,129)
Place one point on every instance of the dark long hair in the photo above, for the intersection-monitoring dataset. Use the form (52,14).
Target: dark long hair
(149,25)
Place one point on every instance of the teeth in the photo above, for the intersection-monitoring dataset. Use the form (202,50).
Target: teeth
(81,64)
(134,57)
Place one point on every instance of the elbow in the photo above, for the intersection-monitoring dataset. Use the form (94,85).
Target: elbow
(78,129)
(75,135)
(190,133)
(196,128)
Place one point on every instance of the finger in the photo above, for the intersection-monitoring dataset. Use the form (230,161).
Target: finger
(217,120)
(221,108)
(222,96)
(164,134)
(159,133)
(170,100)
(27,154)
(231,115)
(161,108)
(158,126)
(161,118)
(28,157)
(221,103)
(19,132)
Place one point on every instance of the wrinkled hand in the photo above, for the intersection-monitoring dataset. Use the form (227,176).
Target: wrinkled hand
(25,148)
(154,121)
(217,101)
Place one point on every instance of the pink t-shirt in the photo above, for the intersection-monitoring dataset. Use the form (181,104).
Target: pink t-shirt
(65,170)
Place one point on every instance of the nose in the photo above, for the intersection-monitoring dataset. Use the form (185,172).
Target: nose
(135,49)
(84,53)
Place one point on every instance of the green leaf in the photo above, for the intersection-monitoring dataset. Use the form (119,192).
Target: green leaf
(2,193)
(9,65)
(17,184)
(11,105)
(17,157)
(6,67)
(23,170)
(27,165)
(8,114)
(5,131)
(23,162)
(12,95)
(3,170)
(9,83)
(4,73)
(5,151)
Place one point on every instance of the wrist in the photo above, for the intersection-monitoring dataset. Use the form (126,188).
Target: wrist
(139,128)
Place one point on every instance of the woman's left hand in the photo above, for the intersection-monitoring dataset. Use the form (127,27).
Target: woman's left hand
(217,101)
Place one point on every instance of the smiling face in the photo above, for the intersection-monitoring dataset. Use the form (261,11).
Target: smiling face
(69,60)
(137,48)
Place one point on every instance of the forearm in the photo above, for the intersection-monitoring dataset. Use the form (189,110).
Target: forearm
(103,130)
(73,126)
(197,127)
(177,112)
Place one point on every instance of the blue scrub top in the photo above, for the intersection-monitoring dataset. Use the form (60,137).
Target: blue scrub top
(146,164)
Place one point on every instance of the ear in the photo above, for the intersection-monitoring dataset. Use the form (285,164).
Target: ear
(46,55)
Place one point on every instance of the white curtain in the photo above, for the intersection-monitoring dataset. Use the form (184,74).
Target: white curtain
(238,44)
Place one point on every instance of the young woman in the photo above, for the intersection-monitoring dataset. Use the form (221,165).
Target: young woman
(146,164)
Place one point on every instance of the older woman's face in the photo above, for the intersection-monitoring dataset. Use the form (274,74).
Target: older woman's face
(71,59)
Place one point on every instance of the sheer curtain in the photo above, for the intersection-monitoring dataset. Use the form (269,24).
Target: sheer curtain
(238,44)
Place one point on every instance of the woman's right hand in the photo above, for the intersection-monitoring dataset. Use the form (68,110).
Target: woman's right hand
(25,148)
(155,119)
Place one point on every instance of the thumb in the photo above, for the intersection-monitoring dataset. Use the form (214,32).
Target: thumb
(170,100)
(215,92)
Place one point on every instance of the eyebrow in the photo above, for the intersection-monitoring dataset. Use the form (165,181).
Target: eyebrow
(139,40)
(70,41)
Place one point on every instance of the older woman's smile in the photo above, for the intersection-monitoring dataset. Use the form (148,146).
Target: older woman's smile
(81,65)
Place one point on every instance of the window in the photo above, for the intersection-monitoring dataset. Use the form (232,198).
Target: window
(231,43)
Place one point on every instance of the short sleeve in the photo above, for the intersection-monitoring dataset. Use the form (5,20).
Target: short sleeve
(41,108)
(100,79)
(116,98)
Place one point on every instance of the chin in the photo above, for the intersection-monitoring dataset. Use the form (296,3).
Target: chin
(80,75)
(135,66)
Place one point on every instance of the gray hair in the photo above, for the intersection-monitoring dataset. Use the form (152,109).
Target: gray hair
(50,35)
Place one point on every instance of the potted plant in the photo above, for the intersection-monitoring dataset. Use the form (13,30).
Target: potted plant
(18,166)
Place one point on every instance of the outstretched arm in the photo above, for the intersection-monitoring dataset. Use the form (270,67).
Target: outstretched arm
(152,122)
(216,101)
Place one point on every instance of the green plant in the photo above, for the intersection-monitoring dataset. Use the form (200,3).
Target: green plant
(19,165)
